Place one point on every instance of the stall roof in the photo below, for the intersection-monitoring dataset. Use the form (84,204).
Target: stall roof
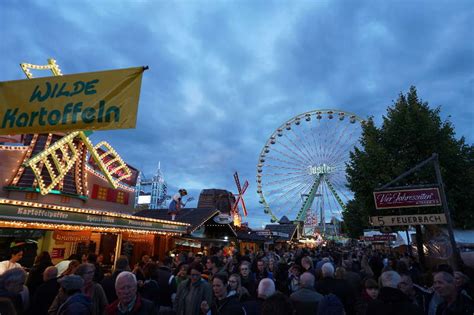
(283,232)
(251,236)
(193,216)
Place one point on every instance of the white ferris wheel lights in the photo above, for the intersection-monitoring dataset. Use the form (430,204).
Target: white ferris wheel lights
(302,169)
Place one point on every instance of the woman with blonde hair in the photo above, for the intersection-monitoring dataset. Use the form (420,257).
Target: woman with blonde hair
(235,287)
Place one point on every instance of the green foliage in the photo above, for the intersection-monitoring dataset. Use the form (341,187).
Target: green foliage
(410,133)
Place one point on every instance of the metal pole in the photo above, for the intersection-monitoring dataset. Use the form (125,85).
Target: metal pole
(408,242)
(457,256)
(118,248)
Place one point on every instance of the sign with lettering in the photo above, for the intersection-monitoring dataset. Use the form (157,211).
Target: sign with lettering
(85,101)
(379,238)
(425,197)
(414,219)
(72,236)
(31,214)
(58,253)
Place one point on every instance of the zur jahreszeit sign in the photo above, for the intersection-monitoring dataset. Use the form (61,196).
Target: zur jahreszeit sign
(425,197)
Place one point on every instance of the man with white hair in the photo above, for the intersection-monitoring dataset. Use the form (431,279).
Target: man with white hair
(266,288)
(306,299)
(128,301)
(392,300)
(339,287)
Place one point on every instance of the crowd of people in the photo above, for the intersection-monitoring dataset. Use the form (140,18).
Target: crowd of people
(336,280)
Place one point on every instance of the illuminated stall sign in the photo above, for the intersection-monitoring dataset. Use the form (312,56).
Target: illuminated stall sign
(85,101)
(40,215)
(426,197)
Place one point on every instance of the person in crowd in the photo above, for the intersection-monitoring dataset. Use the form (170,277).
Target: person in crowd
(306,299)
(213,266)
(418,295)
(454,302)
(351,276)
(235,287)
(181,273)
(108,283)
(92,289)
(11,286)
(273,266)
(71,268)
(391,300)
(223,302)
(369,294)
(35,276)
(339,287)
(45,293)
(293,281)
(64,264)
(84,258)
(149,289)
(262,271)
(462,283)
(366,271)
(277,304)
(192,292)
(307,264)
(167,284)
(266,288)
(248,279)
(331,305)
(75,301)
(16,254)
(98,273)
(128,301)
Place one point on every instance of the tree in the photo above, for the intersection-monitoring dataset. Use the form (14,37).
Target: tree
(411,131)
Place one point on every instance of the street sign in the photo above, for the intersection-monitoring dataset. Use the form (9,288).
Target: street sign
(414,219)
(407,198)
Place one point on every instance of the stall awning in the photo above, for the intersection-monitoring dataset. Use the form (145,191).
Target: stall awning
(22,214)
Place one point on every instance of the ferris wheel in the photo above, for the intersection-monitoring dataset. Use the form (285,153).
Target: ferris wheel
(301,170)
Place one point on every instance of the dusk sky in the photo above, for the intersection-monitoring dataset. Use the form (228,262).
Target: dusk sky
(223,75)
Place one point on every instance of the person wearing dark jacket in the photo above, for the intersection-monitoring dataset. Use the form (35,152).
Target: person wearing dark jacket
(35,276)
(454,302)
(128,301)
(108,284)
(223,304)
(248,279)
(306,299)
(11,285)
(166,284)
(339,287)
(46,292)
(266,288)
(392,301)
(76,302)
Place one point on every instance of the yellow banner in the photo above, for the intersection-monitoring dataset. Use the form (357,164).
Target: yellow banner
(85,101)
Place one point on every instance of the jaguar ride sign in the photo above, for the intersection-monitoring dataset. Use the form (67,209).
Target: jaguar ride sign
(408,198)
(85,101)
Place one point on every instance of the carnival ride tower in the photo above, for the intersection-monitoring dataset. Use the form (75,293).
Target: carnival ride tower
(156,188)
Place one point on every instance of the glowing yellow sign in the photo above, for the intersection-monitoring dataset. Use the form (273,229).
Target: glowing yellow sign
(86,101)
